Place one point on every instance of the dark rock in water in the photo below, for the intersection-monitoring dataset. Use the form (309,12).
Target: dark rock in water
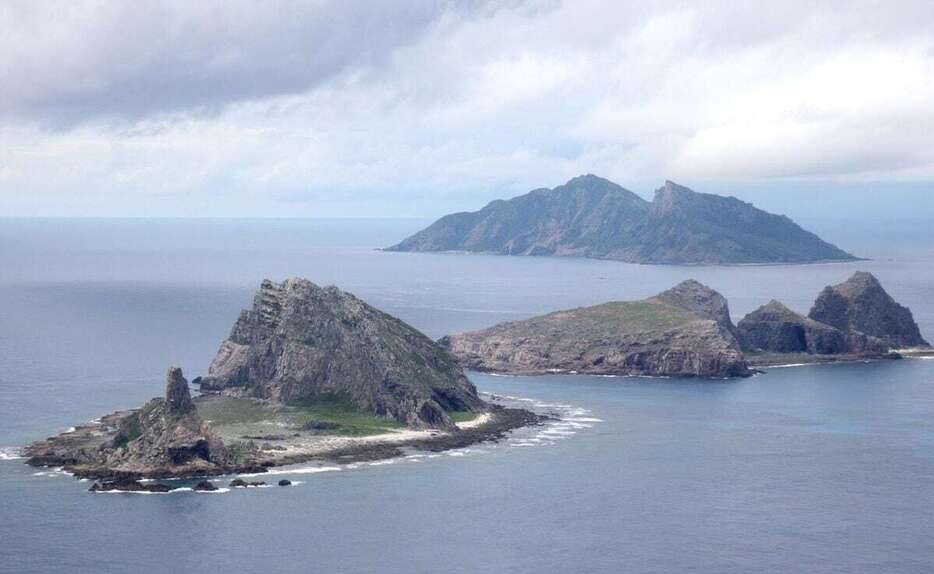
(301,341)
(205,486)
(678,333)
(861,304)
(129,485)
(240,483)
(285,482)
(592,217)
(320,426)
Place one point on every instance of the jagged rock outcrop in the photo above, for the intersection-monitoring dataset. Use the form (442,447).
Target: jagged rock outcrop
(166,437)
(678,333)
(861,304)
(592,217)
(300,341)
(775,328)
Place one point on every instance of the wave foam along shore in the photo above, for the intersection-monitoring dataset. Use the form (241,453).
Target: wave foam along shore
(11,453)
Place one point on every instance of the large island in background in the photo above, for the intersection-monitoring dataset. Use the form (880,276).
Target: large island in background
(593,217)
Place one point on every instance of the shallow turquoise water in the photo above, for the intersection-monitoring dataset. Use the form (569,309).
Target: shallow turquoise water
(816,469)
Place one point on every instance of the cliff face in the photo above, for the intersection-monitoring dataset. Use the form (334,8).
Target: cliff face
(300,341)
(670,335)
(166,437)
(593,217)
(861,304)
(777,329)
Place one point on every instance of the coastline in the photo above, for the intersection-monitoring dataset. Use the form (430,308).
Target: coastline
(488,426)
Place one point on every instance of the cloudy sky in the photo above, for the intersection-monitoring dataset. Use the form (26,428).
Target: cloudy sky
(340,108)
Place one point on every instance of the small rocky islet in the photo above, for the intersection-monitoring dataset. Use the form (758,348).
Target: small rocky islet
(687,331)
(307,374)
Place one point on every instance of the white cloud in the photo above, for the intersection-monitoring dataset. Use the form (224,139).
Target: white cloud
(421,109)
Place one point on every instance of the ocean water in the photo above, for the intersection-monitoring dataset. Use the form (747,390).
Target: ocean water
(807,469)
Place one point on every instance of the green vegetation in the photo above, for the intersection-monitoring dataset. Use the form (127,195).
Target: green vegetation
(221,410)
(625,316)
(462,416)
(342,411)
(129,431)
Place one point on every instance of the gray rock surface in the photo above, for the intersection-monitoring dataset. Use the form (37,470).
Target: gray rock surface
(592,217)
(861,304)
(166,437)
(300,341)
(672,334)
(777,329)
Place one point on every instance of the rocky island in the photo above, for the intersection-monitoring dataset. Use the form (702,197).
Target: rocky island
(593,217)
(309,373)
(687,331)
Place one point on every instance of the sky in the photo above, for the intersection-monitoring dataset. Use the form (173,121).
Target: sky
(419,108)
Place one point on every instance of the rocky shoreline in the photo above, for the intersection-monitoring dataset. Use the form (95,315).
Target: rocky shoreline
(63,451)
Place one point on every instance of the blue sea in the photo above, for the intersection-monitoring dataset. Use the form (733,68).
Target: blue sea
(814,469)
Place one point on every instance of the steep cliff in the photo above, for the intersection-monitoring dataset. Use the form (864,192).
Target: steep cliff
(301,341)
(775,328)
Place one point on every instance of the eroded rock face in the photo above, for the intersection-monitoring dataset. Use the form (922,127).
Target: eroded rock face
(672,334)
(301,341)
(777,329)
(861,304)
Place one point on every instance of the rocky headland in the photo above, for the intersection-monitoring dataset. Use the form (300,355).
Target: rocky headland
(593,217)
(307,374)
(685,331)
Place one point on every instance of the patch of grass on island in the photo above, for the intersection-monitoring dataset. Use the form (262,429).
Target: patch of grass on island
(462,416)
(222,410)
(340,411)
(639,315)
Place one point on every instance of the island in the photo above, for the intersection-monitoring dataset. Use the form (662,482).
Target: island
(687,331)
(683,332)
(308,374)
(593,217)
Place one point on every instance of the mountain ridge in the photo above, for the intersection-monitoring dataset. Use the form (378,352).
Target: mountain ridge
(590,216)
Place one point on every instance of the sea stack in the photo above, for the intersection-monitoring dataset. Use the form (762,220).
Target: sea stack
(861,304)
(166,437)
(301,341)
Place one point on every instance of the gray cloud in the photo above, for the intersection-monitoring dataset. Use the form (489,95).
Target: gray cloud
(67,62)
(402,108)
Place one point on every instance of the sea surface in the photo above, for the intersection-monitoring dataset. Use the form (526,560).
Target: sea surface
(812,469)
